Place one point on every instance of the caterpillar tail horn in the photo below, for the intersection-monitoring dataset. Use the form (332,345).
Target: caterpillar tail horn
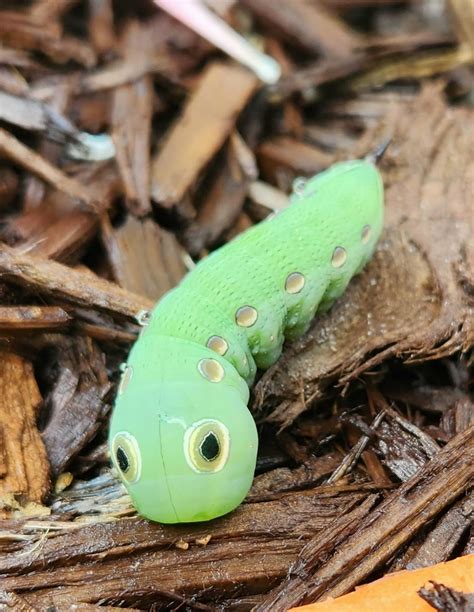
(376,155)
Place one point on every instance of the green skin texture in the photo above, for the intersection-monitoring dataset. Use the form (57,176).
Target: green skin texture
(166,394)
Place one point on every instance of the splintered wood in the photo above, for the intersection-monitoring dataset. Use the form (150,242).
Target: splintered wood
(145,259)
(309,25)
(24,468)
(27,318)
(75,404)
(74,286)
(13,149)
(207,119)
(417,262)
(384,530)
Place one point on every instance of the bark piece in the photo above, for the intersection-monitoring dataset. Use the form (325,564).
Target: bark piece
(404,447)
(80,288)
(282,159)
(463,22)
(32,32)
(56,228)
(27,318)
(443,539)
(309,25)
(428,398)
(265,199)
(385,530)
(75,405)
(446,599)
(26,113)
(101,26)
(459,417)
(8,186)
(412,300)
(145,258)
(326,71)
(205,123)
(276,482)
(15,602)
(131,134)
(24,469)
(26,157)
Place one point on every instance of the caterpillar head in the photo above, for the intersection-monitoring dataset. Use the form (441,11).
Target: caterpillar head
(181,436)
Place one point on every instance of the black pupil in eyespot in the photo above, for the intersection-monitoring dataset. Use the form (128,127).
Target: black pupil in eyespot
(122,459)
(209,447)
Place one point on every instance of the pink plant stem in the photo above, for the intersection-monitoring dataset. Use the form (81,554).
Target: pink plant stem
(202,20)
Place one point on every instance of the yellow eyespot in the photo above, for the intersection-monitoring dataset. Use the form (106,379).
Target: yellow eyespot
(207,445)
(126,456)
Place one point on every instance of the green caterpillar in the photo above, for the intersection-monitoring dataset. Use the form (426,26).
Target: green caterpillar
(182,438)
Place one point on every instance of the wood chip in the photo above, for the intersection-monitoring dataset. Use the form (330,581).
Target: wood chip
(308,25)
(24,468)
(74,408)
(207,120)
(24,156)
(27,318)
(283,159)
(220,208)
(31,32)
(8,186)
(145,258)
(445,537)
(131,134)
(84,289)
(56,228)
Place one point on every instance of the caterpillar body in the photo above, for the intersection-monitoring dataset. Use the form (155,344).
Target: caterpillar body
(182,438)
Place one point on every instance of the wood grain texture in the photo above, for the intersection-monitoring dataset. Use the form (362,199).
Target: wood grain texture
(316,576)
(24,468)
(206,121)
(309,25)
(139,563)
(144,258)
(75,286)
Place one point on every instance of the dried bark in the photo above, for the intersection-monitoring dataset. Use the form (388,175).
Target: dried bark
(75,406)
(27,318)
(75,286)
(19,153)
(309,25)
(144,258)
(24,469)
(221,207)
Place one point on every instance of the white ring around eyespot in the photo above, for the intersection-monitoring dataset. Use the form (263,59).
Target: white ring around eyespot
(133,442)
(225,446)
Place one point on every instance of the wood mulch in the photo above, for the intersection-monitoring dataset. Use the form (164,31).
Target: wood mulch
(366,423)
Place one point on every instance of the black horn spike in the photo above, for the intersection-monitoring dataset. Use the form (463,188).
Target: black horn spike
(376,155)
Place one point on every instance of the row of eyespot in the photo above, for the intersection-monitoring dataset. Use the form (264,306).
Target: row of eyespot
(246,316)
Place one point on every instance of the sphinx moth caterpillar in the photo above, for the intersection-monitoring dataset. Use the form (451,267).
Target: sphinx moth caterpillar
(181,437)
